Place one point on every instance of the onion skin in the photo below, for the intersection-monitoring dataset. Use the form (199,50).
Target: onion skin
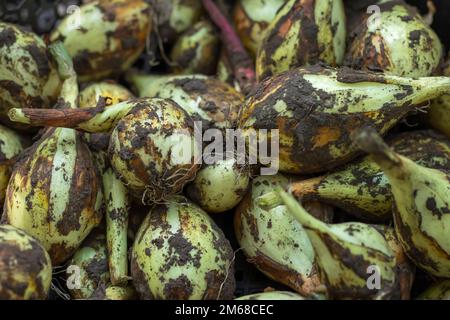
(361,189)
(220,186)
(303,33)
(196,50)
(205,99)
(252,18)
(145,142)
(111,36)
(403,44)
(11,146)
(53,193)
(92,260)
(316,109)
(25,267)
(273,241)
(345,252)
(27,76)
(180,253)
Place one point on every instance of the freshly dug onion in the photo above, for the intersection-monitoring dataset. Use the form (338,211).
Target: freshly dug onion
(11,145)
(90,265)
(316,109)
(273,295)
(180,253)
(175,16)
(25,267)
(196,50)
(252,18)
(205,99)
(398,42)
(54,193)
(104,93)
(220,186)
(304,32)
(152,146)
(27,76)
(274,241)
(110,37)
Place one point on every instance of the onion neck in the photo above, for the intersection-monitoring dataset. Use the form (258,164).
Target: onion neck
(371,142)
(300,214)
(68,97)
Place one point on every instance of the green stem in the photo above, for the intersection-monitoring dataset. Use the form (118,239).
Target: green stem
(116,200)
(299,213)
(269,200)
(68,97)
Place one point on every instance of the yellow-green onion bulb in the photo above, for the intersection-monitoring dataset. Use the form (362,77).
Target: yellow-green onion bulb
(11,145)
(175,16)
(106,37)
(274,241)
(397,41)
(88,266)
(28,78)
(219,186)
(196,51)
(205,99)
(180,253)
(25,267)
(304,32)
(104,93)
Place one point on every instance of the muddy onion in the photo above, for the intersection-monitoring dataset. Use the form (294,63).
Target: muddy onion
(274,241)
(316,109)
(220,186)
(196,50)
(303,32)
(180,253)
(397,42)
(54,191)
(106,37)
(25,267)
(11,146)
(27,76)
(88,266)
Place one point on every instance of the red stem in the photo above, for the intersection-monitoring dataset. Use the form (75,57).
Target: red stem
(240,60)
